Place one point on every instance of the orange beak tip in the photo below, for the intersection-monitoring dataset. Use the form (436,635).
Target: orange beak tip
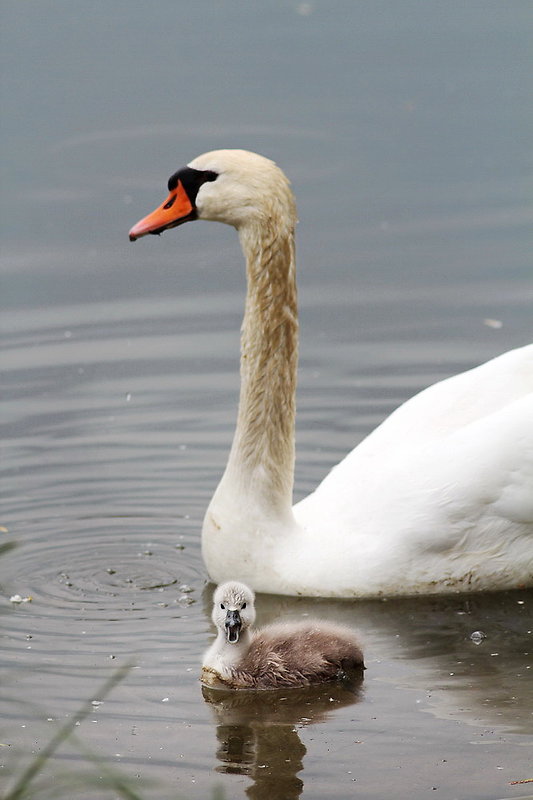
(134,234)
(138,230)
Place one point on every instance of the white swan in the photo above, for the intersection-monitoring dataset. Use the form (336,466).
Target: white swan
(438,498)
(285,654)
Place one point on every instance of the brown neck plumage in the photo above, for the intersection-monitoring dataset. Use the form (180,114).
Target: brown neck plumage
(263,446)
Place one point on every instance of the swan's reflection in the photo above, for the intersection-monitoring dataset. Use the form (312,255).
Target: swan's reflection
(257,732)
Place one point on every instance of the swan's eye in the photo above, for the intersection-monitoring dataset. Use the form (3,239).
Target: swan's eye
(222,605)
(243,605)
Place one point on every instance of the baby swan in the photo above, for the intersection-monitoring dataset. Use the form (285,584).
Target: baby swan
(286,654)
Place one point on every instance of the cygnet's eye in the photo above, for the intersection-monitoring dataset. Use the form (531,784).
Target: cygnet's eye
(222,605)
(243,605)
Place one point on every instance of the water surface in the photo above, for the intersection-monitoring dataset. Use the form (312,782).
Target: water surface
(403,126)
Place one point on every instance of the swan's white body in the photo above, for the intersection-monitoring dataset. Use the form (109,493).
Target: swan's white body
(438,498)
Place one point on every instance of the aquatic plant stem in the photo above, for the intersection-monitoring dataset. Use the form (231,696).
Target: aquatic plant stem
(34,768)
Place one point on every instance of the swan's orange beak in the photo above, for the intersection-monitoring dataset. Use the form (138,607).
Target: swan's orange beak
(176,209)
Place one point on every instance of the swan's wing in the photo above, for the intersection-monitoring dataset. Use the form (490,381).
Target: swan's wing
(458,401)
(488,462)
(432,496)
(482,414)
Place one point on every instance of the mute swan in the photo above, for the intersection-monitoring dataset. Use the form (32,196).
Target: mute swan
(285,654)
(439,498)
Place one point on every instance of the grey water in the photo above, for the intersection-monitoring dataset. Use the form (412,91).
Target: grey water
(405,127)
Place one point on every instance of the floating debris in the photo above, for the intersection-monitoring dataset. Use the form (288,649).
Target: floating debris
(476,637)
(185,600)
(17,598)
(493,323)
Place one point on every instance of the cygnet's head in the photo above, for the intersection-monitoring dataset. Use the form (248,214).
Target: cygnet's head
(233,609)
(232,186)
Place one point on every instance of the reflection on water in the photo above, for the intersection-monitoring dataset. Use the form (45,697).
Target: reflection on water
(257,732)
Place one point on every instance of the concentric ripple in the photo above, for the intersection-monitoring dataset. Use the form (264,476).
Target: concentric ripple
(104,563)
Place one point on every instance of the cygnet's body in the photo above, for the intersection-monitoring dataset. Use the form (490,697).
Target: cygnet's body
(286,654)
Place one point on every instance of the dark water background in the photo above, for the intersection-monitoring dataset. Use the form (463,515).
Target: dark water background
(405,127)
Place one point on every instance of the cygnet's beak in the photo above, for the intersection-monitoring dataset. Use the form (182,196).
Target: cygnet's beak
(233,626)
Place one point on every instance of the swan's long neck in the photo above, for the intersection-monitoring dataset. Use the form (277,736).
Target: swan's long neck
(261,462)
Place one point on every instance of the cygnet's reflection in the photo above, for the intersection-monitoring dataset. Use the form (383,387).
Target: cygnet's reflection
(263,684)
(257,732)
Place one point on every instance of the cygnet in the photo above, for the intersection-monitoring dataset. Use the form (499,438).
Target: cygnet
(285,654)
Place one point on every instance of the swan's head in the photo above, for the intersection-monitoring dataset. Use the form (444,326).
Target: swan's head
(232,186)
(233,609)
